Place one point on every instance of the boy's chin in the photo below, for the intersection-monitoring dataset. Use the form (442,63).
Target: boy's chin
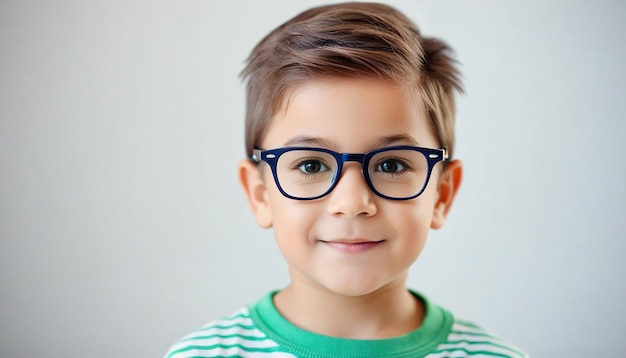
(355,287)
(352,292)
(348,280)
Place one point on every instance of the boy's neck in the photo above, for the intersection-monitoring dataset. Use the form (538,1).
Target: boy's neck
(388,312)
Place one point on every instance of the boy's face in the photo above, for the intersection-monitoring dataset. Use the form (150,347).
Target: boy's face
(350,242)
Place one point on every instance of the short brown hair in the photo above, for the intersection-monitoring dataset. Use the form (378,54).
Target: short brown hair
(350,40)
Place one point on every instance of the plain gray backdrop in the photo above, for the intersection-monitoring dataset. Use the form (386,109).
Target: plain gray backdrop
(122,225)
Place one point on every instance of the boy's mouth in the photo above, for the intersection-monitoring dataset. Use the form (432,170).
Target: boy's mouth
(352,246)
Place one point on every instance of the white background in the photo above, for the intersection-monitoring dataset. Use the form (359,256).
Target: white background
(122,226)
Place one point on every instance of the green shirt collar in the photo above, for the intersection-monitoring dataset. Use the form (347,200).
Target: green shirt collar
(434,330)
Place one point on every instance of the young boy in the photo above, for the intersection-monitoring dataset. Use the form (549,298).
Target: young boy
(349,134)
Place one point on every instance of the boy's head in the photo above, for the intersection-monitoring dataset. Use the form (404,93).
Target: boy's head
(349,108)
(350,40)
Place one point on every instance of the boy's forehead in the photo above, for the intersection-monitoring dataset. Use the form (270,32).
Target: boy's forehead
(321,112)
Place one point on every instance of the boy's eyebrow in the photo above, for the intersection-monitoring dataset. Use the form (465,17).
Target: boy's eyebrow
(395,139)
(308,141)
(324,143)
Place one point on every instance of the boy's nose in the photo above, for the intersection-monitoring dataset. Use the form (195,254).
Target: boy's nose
(352,196)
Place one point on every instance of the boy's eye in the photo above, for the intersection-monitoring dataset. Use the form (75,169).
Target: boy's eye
(390,166)
(312,166)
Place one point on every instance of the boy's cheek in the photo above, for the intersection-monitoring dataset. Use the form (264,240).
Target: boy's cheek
(285,210)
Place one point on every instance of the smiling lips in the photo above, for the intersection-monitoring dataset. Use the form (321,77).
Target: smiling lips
(352,246)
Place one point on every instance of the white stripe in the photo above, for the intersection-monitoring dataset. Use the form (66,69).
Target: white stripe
(478,347)
(231,352)
(242,318)
(454,336)
(206,342)
(216,331)
(458,354)
(459,327)
(266,343)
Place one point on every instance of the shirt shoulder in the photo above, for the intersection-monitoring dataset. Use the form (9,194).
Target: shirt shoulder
(467,339)
(232,336)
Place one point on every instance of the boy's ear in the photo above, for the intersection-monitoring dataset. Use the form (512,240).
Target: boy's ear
(254,188)
(449,185)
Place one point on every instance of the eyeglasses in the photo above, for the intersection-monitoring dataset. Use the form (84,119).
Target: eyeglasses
(395,173)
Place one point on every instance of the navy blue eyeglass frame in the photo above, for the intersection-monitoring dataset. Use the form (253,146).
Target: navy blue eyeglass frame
(433,156)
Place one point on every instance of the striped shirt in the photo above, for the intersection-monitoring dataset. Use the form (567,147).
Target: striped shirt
(260,331)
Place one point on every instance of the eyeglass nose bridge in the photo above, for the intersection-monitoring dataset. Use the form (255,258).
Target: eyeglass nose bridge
(351,157)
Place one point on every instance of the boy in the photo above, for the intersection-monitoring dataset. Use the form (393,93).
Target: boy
(349,131)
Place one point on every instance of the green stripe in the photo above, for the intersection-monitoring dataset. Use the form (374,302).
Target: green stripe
(247,338)
(471,353)
(502,346)
(224,346)
(245,326)
(505,344)
(233,317)
(475,334)
(467,324)
(238,315)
